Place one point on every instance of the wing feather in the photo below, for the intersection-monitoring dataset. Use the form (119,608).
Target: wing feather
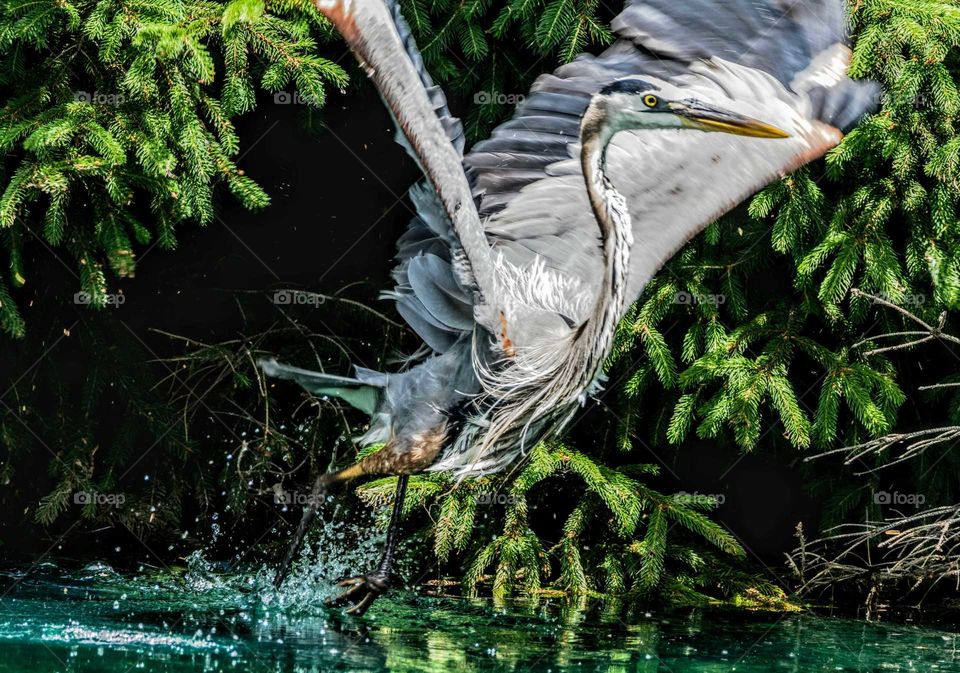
(782,61)
(380,38)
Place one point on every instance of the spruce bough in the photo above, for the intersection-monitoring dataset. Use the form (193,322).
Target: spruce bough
(117,122)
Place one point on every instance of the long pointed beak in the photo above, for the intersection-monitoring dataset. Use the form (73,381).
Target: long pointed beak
(697,115)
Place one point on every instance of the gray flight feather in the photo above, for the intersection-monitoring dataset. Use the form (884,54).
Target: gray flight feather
(360,394)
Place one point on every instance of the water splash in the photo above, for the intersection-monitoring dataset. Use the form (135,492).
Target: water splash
(333,550)
(130,638)
(200,575)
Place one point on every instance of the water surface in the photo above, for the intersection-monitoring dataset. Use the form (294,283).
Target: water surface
(96,620)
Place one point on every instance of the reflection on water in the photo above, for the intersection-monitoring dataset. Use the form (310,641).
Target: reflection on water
(96,620)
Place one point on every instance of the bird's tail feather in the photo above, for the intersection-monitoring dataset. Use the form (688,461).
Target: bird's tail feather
(362,393)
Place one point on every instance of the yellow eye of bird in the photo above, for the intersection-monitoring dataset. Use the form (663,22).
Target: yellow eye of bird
(650,100)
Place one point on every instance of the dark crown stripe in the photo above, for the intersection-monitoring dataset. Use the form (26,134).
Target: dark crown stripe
(630,85)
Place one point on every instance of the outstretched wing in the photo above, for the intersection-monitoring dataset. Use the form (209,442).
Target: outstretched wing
(782,61)
(532,268)
(381,40)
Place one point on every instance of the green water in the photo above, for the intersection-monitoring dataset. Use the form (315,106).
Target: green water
(95,620)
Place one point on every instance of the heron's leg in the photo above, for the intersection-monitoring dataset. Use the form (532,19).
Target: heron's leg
(309,514)
(393,532)
(365,589)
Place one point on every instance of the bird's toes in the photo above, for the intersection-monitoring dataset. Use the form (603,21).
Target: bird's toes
(346,597)
(361,606)
(363,591)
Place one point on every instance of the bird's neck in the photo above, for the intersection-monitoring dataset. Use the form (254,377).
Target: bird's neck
(616,233)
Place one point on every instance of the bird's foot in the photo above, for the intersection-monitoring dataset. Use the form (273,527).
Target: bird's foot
(362,592)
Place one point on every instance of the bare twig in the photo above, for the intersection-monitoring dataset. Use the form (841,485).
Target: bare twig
(930,332)
(936,386)
(921,548)
(915,444)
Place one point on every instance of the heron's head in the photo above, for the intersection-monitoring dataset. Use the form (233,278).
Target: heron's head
(634,104)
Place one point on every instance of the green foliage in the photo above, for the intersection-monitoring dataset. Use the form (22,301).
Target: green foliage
(620,536)
(116,125)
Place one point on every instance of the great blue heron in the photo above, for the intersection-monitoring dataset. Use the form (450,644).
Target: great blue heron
(527,251)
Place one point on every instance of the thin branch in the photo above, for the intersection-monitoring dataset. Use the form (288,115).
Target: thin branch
(935,386)
(929,334)
(919,548)
(916,443)
(857,292)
